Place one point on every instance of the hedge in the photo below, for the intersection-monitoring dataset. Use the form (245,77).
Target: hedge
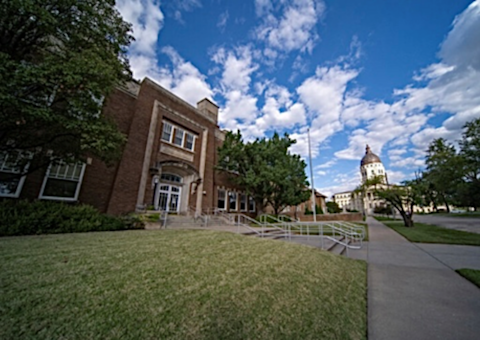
(46,217)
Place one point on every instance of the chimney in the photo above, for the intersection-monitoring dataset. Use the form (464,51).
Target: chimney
(208,108)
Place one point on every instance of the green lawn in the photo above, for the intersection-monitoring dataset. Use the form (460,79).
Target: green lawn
(471,275)
(427,233)
(176,284)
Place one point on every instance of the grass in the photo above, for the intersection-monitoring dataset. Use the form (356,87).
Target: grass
(176,284)
(472,275)
(428,233)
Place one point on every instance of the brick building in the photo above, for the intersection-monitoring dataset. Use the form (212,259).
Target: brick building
(168,161)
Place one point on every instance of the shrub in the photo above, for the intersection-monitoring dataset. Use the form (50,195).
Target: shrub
(318,210)
(44,217)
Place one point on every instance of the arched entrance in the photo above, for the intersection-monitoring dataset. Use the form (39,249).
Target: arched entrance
(173,186)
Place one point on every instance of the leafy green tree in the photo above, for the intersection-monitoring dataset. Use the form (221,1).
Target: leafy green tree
(333,207)
(370,184)
(403,198)
(59,59)
(443,170)
(266,169)
(469,190)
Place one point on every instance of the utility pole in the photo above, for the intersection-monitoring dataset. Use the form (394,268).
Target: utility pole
(314,208)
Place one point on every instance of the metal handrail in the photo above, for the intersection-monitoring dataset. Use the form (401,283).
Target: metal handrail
(192,211)
(163,218)
(348,234)
(265,227)
(328,230)
(264,218)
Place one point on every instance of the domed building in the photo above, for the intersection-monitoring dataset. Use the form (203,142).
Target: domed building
(370,167)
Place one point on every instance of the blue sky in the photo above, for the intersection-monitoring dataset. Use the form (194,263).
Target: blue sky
(393,74)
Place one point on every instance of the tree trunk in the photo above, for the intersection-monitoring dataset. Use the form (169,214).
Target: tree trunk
(407,219)
(446,204)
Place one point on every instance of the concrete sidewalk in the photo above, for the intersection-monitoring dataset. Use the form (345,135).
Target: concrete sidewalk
(414,295)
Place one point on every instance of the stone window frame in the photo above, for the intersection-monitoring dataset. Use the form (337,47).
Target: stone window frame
(174,130)
(232,194)
(224,199)
(64,177)
(243,200)
(251,204)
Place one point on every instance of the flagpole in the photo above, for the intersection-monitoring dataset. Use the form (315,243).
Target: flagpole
(314,207)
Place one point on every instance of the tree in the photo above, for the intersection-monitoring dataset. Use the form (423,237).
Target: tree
(401,197)
(265,169)
(333,207)
(443,170)
(365,187)
(59,59)
(469,190)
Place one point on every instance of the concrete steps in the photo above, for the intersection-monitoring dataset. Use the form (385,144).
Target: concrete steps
(219,223)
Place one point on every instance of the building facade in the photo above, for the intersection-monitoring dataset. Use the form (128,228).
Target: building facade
(167,163)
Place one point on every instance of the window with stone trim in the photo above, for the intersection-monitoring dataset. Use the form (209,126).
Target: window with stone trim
(167,132)
(11,165)
(189,141)
(243,202)
(251,204)
(63,181)
(232,201)
(178,136)
(221,199)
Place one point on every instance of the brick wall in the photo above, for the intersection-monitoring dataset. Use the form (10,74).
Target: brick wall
(332,217)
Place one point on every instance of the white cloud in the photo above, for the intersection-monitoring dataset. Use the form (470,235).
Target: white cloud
(396,177)
(289,25)
(146,19)
(240,107)
(183,79)
(454,82)
(342,183)
(395,154)
(408,162)
(326,165)
(323,95)
(237,66)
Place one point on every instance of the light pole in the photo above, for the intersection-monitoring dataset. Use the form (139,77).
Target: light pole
(314,208)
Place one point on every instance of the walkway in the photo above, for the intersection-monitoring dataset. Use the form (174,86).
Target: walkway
(413,294)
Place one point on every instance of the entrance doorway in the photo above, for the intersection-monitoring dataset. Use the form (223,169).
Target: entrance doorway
(169,197)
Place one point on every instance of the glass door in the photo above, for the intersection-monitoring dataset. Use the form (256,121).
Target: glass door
(169,197)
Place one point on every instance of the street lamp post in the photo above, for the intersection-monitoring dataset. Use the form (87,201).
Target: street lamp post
(314,208)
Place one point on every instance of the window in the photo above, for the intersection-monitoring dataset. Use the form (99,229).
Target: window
(189,142)
(232,201)
(63,181)
(167,132)
(243,202)
(251,204)
(178,136)
(171,178)
(178,140)
(221,199)
(10,166)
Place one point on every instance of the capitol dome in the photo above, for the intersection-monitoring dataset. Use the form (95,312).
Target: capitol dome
(369,157)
